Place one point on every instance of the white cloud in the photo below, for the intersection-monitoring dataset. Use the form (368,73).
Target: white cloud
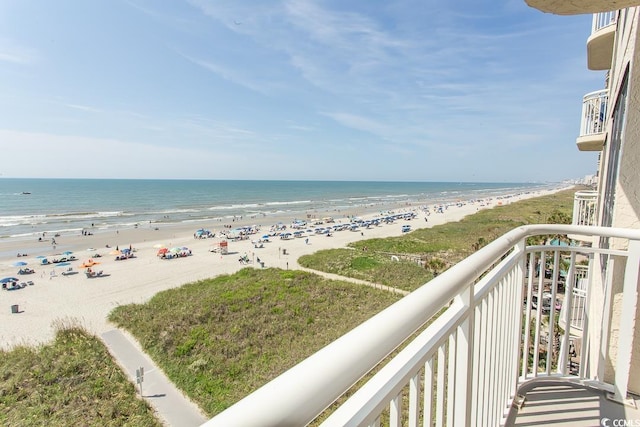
(11,51)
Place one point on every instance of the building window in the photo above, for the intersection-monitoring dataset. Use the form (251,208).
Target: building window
(613,156)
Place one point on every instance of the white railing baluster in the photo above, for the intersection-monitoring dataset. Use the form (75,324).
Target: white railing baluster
(552,310)
(514,305)
(451,377)
(567,306)
(606,318)
(501,347)
(518,309)
(527,318)
(586,339)
(489,369)
(428,392)
(395,411)
(464,362)
(477,358)
(414,401)
(482,362)
(440,394)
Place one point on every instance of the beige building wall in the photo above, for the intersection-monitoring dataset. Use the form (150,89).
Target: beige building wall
(626,212)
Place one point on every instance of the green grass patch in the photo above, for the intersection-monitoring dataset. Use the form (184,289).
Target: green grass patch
(220,339)
(70,382)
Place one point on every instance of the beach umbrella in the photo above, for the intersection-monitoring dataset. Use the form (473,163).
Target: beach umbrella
(159,246)
(19,264)
(41,256)
(62,264)
(8,279)
(67,253)
(163,251)
(114,252)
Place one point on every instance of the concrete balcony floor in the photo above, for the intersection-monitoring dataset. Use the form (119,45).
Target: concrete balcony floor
(563,403)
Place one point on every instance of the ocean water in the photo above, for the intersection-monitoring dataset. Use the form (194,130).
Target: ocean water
(31,206)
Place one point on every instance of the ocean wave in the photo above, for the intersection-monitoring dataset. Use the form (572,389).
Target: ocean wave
(237,207)
(174,211)
(293,202)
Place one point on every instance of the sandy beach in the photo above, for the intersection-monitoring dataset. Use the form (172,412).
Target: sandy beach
(54,297)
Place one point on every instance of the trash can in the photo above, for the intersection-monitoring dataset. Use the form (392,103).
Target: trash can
(14,308)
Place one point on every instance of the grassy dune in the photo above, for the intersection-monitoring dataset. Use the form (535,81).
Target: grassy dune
(71,382)
(220,339)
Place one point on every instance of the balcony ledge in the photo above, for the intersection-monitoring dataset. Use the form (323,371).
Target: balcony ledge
(578,7)
(593,142)
(600,48)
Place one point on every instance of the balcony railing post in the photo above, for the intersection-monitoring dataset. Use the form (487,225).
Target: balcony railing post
(464,361)
(586,334)
(563,358)
(606,318)
(627,321)
(527,319)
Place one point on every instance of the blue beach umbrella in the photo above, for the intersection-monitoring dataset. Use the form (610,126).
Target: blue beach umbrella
(8,279)
(41,256)
(67,253)
(19,264)
(62,264)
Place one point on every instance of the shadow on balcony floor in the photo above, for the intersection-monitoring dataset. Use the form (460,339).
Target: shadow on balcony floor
(562,403)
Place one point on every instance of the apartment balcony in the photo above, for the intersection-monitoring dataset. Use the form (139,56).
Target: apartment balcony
(600,42)
(580,7)
(592,125)
(585,209)
(494,355)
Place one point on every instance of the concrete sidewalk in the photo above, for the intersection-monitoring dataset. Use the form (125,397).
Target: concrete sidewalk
(173,407)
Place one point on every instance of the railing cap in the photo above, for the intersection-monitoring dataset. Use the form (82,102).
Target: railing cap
(601,93)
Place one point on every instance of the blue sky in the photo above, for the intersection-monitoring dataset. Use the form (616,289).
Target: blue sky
(407,90)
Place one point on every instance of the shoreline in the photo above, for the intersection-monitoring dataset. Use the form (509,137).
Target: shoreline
(76,298)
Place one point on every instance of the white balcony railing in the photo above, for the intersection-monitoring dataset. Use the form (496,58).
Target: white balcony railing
(585,208)
(579,299)
(494,335)
(602,20)
(594,112)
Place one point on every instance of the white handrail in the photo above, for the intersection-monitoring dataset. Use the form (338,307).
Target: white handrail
(297,396)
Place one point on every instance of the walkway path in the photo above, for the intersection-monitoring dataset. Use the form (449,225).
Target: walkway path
(172,407)
(333,276)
